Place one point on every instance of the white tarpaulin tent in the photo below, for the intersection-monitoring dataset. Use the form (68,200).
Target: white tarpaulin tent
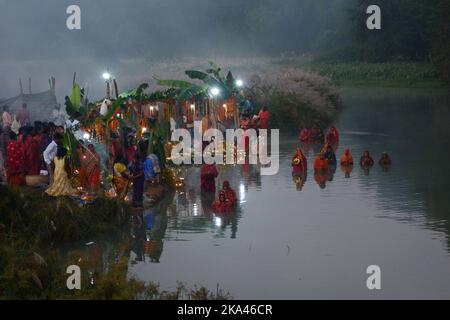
(40,105)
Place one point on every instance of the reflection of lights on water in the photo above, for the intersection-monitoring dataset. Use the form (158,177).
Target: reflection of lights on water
(217,221)
(242,192)
(195,210)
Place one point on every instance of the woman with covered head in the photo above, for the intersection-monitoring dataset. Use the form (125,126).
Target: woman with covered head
(299,163)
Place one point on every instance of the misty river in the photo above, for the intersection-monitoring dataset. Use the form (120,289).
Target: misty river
(286,243)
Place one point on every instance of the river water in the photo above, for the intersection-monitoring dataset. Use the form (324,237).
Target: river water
(314,243)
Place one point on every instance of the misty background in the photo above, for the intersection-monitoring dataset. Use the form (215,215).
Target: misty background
(128,36)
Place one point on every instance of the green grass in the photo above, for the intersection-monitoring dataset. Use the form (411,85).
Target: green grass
(392,74)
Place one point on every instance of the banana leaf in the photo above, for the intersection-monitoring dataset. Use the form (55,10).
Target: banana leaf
(181,84)
(199,75)
(216,71)
(192,92)
(75,96)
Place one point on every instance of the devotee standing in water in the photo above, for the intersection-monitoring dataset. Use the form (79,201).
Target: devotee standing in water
(299,163)
(347,158)
(61,185)
(332,136)
(208,175)
(50,154)
(385,160)
(15,162)
(366,160)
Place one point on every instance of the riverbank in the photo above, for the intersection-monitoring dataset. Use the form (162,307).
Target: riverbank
(390,74)
(35,229)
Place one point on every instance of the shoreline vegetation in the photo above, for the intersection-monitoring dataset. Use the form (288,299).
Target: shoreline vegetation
(33,231)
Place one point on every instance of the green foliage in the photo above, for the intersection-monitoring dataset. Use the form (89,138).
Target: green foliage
(75,97)
(406,74)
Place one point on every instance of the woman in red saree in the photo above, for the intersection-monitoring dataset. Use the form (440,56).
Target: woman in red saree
(299,163)
(92,168)
(15,162)
(333,136)
(32,154)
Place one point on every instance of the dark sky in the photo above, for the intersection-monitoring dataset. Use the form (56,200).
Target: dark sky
(35,41)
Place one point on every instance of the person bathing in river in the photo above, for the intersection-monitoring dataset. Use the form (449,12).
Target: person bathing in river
(299,163)
(366,160)
(347,158)
(222,205)
(329,154)
(229,192)
(332,136)
(385,160)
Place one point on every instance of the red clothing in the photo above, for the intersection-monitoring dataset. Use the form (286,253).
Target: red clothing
(366,161)
(333,137)
(131,153)
(264,117)
(221,206)
(230,194)
(32,156)
(208,174)
(305,135)
(299,163)
(16,164)
(320,164)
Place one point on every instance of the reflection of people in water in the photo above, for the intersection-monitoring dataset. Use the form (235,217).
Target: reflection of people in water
(208,175)
(229,192)
(138,236)
(299,181)
(156,228)
(222,205)
(321,170)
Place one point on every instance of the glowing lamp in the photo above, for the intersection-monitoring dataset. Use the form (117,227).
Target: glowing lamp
(239,83)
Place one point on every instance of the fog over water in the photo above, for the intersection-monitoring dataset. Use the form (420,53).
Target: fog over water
(127,36)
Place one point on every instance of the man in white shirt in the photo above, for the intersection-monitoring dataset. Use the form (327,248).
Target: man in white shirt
(50,154)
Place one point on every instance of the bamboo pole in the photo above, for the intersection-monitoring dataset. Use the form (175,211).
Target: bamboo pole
(29,85)
(20,87)
(50,84)
(115,88)
(74,78)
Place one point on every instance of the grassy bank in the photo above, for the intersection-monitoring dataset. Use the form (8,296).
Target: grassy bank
(33,230)
(393,74)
